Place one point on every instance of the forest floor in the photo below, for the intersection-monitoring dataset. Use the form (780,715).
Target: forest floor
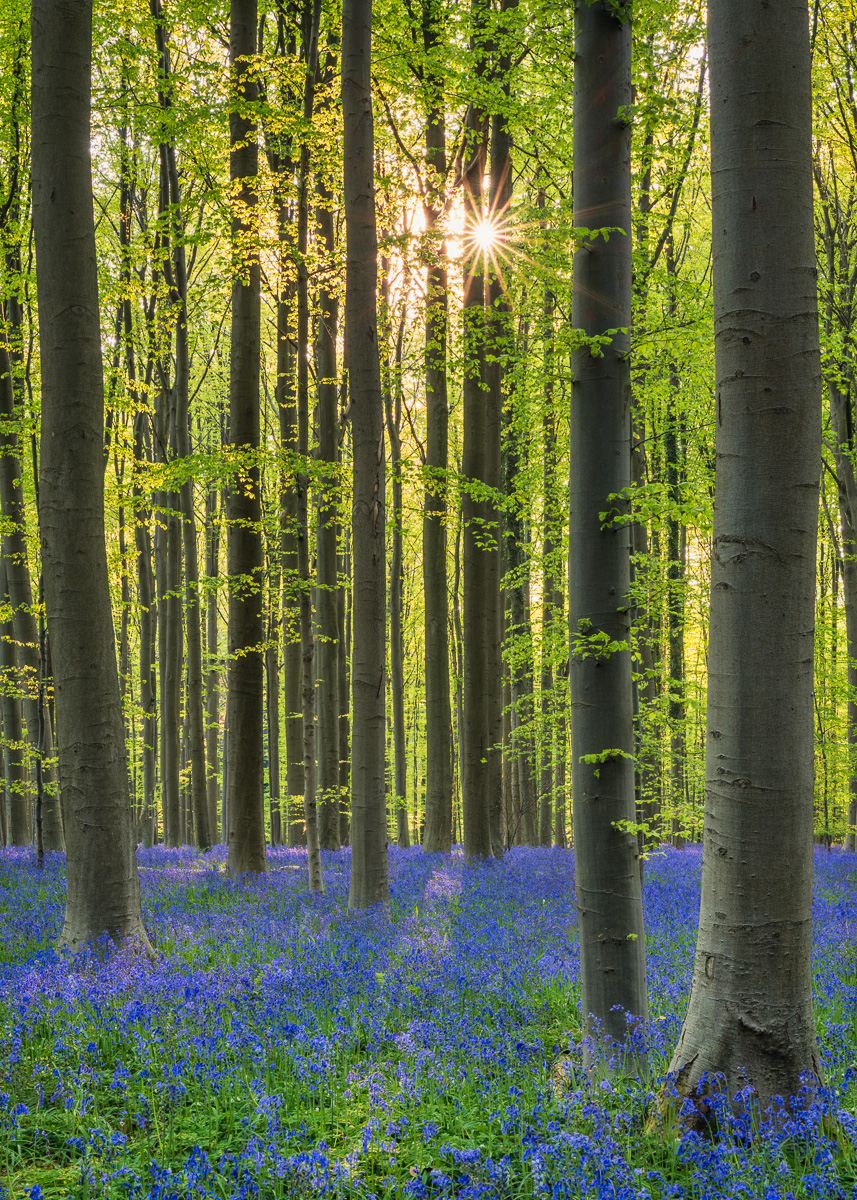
(282,1047)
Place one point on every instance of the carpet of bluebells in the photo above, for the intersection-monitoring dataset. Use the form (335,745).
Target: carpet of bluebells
(282,1047)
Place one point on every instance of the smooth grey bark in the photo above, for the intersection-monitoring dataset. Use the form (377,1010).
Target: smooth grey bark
(103,896)
(437,832)
(328,645)
(369,877)
(245,803)
(750,1013)
(481,766)
(607,881)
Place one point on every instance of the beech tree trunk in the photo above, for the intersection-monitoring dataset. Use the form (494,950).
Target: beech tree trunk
(212,674)
(146,600)
(103,896)
(303,482)
(343,614)
(437,833)
(393,406)
(245,804)
(327,624)
(551,543)
(607,880)
(481,768)
(369,878)
(750,1012)
(272,699)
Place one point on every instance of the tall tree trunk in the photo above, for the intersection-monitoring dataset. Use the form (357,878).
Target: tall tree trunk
(343,611)
(293,704)
(561,717)
(750,1012)
(673,453)
(146,601)
(303,483)
(212,674)
(168,579)
(103,896)
(369,878)
(397,586)
(437,834)
(327,594)
(272,700)
(482,684)
(245,801)
(458,644)
(498,348)
(550,581)
(607,880)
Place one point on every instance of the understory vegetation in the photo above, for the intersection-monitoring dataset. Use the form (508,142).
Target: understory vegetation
(280,1046)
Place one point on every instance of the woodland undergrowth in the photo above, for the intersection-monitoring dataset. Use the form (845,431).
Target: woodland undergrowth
(283,1047)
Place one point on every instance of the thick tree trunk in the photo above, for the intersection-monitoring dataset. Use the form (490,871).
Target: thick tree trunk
(369,878)
(437,833)
(245,802)
(327,617)
(481,774)
(103,896)
(750,1013)
(607,880)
